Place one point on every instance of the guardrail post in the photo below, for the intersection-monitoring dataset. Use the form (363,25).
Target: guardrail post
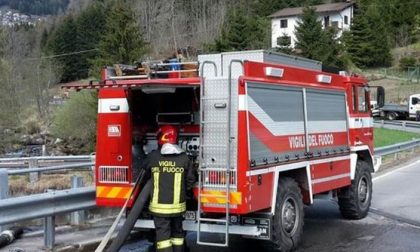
(49,232)
(403,124)
(33,176)
(382,123)
(44,150)
(4,189)
(93,160)
(413,150)
(77,218)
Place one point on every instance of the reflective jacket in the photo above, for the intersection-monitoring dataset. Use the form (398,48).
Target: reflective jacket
(171,176)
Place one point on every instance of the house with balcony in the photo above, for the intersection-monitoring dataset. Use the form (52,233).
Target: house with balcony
(285,21)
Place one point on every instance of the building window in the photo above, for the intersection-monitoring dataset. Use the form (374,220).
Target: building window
(283,23)
(334,24)
(326,21)
(346,20)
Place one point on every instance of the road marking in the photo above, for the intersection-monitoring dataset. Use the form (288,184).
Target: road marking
(397,169)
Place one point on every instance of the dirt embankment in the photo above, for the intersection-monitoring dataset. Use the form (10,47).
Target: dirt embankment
(396,91)
(20,185)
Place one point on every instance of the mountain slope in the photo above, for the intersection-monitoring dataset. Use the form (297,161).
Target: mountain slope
(37,7)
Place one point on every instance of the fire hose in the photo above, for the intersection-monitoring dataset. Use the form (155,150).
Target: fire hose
(8,236)
(131,218)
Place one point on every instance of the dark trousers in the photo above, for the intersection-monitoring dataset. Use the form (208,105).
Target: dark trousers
(169,234)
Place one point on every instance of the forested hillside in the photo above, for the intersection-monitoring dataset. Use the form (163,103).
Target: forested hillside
(92,33)
(217,25)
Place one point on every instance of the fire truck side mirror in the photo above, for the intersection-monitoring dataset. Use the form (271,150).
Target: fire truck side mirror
(380,96)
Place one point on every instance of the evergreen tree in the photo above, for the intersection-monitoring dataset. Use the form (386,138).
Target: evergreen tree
(367,42)
(65,42)
(380,39)
(91,27)
(284,44)
(243,31)
(334,55)
(357,41)
(235,34)
(264,8)
(315,43)
(78,36)
(398,18)
(260,33)
(122,41)
(308,34)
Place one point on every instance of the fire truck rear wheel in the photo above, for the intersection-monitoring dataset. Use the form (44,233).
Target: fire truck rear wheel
(287,227)
(354,200)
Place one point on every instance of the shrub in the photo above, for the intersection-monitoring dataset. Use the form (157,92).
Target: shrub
(408,61)
(76,119)
(32,127)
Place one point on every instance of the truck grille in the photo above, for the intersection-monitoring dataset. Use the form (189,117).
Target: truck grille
(113,174)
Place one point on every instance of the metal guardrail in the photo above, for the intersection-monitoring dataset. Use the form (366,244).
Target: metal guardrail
(50,168)
(391,149)
(80,158)
(398,125)
(46,204)
(34,165)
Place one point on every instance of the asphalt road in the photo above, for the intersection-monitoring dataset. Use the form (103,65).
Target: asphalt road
(392,225)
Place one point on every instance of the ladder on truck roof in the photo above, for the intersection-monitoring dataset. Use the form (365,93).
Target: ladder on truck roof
(151,73)
(215,151)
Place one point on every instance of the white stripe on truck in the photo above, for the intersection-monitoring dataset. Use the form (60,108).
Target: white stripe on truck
(292,166)
(113,105)
(242,103)
(293,128)
(360,122)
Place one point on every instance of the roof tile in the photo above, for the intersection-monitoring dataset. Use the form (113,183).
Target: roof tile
(322,8)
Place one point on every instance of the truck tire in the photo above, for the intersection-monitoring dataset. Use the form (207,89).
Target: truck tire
(418,116)
(287,226)
(354,200)
(391,116)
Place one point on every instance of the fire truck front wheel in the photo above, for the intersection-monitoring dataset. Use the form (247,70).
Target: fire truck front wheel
(287,224)
(354,200)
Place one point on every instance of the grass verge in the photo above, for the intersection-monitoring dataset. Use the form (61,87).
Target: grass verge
(384,137)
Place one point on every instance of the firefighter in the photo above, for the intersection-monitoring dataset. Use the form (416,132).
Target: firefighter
(172,176)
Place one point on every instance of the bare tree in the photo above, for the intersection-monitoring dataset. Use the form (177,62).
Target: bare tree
(180,23)
(27,76)
(403,36)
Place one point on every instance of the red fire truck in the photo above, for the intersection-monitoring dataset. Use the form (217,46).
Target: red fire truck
(269,133)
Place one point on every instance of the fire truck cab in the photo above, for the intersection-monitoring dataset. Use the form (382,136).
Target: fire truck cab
(268,132)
